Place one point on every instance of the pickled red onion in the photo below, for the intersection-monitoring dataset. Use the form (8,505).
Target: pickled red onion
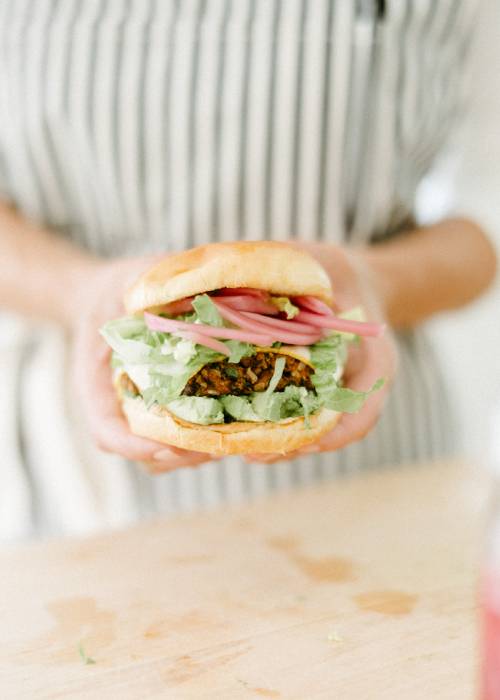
(205,340)
(313,304)
(281,324)
(249,303)
(341,324)
(290,337)
(170,325)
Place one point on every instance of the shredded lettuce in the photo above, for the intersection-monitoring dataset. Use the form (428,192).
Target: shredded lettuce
(267,404)
(206,311)
(239,349)
(184,351)
(339,398)
(284,304)
(169,361)
(198,409)
(130,339)
(293,402)
(298,401)
(162,392)
(279,367)
(240,408)
(329,354)
(169,379)
(166,363)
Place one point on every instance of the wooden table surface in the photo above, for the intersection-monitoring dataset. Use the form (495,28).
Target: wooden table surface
(359,589)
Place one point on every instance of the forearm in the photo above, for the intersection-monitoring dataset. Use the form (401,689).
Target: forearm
(432,269)
(41,275)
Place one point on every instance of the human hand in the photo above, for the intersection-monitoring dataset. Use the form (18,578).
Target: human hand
(354,285)
(97,300)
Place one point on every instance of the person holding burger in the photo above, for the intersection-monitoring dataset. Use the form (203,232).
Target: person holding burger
(211,199)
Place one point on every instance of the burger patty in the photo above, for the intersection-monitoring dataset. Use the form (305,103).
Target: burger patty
(250,374)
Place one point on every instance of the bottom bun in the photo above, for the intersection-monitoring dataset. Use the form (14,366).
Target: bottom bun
(157,423)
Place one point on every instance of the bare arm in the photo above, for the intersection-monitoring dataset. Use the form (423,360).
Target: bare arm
(46,277)
(432,269)
(404,280)
(41,275)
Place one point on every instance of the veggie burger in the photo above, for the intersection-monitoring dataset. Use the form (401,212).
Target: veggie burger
(232,348)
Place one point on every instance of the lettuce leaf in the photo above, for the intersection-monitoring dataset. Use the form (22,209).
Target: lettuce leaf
(239,349)
(240,408)
(169,379)
(293,402)
(267,404)
(339,398)
(170,362)
(198,409)
(162,392)
(328,354)
(279,367)
(297,401)
(184,351)
(129,338)
(206,311)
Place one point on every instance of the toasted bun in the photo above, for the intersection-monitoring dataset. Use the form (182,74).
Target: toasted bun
(275,267)
(158,424)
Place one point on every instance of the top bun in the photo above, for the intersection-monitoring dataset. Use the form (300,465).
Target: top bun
(275,267)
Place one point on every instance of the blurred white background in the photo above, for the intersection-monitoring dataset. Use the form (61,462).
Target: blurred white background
(469,341)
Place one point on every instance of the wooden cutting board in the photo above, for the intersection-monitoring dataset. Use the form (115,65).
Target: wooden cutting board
(359,589)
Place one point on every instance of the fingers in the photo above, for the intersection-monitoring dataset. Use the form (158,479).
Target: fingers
(106,422)
(111,433)
(350,428)
(170,459)
(379,361)
(265,458)
(368,362)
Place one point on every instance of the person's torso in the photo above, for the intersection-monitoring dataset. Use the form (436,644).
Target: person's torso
(138,124)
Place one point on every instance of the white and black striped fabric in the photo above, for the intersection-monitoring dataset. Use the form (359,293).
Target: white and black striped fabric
(155,125)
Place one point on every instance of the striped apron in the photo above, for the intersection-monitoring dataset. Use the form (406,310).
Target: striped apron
(133,126)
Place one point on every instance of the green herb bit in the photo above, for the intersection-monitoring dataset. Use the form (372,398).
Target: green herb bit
(87,660)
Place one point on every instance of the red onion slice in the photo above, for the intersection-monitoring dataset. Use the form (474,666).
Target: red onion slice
(205,340)
(314,305)
(170,325)
(281,324)
(342,324)
(292,338)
